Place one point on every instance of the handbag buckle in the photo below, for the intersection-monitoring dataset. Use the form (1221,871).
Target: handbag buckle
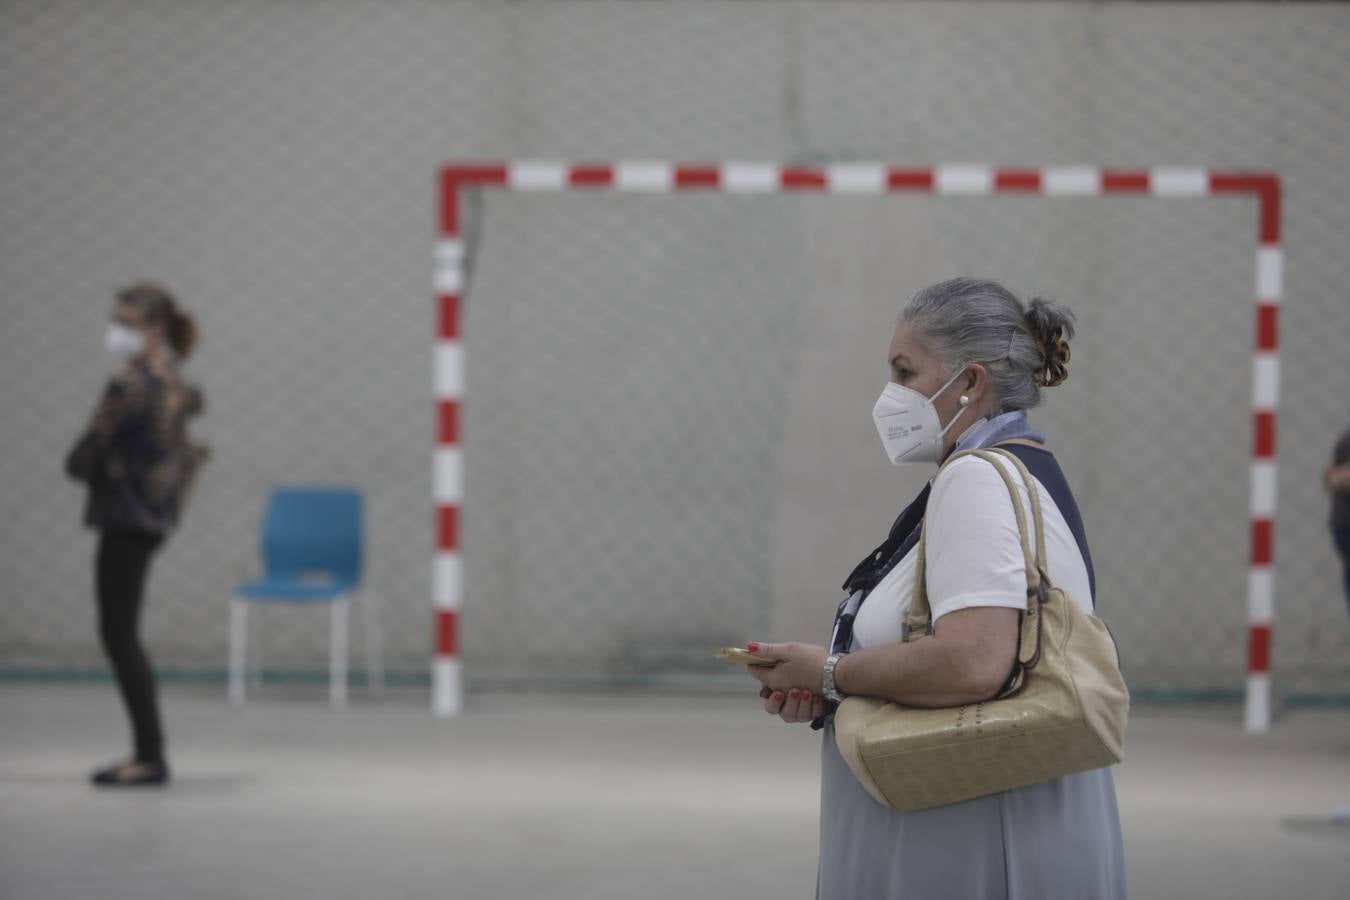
(905,631)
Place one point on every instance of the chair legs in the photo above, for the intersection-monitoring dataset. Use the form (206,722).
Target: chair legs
(238,649)
(373,639)
(254,663)
(339,639)
(337,655)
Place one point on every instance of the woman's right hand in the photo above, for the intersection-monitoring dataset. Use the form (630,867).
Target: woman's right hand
(795,706)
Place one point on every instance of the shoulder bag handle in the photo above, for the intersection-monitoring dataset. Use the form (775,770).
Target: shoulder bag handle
(920,618)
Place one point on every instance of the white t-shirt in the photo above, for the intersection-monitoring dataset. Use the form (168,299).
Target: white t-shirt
(974,556)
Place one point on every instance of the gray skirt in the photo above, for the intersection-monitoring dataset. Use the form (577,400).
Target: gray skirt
(1058,839)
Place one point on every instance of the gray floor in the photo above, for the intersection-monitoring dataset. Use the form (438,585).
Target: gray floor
(579,796)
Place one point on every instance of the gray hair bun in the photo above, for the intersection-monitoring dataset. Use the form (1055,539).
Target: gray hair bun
(1023,347)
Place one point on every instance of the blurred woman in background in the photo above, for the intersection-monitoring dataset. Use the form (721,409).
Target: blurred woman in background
(1337,483)
(138,464)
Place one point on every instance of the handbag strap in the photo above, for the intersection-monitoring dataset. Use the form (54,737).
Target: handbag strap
(920,618)
(1042,570)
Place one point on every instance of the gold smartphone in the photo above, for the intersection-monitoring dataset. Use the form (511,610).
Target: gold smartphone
(744,657)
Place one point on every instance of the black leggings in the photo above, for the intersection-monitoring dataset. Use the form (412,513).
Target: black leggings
(1341,536)
(120,569)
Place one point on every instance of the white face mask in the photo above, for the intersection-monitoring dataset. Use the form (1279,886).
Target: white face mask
(909,425)
(122,342)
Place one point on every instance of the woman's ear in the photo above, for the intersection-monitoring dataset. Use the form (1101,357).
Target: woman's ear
(976,379)
(976,385)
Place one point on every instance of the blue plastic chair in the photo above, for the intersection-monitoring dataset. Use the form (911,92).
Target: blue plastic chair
(312,553)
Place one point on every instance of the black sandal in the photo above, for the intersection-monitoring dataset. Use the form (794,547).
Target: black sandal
(131,774)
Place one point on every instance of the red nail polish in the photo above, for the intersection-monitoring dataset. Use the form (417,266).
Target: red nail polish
(806,696)
(752,646)
(794,693)
(778,696)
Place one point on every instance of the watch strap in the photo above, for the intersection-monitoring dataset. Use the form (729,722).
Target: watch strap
(827,681)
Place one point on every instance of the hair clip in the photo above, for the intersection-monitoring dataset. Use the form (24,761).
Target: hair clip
(1056,353)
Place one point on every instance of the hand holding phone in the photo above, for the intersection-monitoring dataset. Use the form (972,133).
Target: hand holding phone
(744,657)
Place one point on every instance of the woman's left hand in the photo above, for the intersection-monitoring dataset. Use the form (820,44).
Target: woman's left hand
(792,689)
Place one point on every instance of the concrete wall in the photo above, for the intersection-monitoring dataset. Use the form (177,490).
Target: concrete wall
(274,162)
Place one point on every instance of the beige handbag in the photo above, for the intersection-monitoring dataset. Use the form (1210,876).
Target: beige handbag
(1062,711)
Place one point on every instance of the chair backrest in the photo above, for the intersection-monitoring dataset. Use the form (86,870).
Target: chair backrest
(313,530)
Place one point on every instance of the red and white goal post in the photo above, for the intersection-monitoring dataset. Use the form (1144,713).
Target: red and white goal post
(852,179)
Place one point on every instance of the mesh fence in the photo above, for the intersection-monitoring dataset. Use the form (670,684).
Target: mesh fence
(624,407)
(633,369)
(667,434)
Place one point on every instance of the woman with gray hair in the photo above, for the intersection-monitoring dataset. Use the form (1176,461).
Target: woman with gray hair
(967,360)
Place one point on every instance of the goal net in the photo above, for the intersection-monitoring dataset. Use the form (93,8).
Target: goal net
(667,374)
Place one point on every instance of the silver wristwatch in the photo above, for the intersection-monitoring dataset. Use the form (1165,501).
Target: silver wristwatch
(831,692)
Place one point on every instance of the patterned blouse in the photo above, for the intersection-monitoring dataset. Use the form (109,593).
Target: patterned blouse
(135,455)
